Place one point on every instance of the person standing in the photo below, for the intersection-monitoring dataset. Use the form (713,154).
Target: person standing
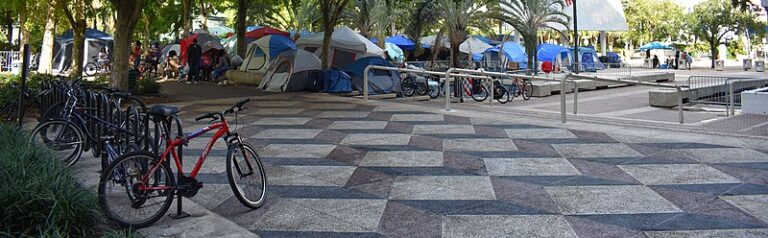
(136,55)
(688,60)
(194,52)
(677,59)
(656,62)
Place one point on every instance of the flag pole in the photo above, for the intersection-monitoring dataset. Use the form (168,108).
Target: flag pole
(575,39)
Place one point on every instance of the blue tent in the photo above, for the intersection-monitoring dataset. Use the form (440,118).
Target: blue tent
(379,81)
(656,46)
(89,34)
(278,44)
(301,33)
(550,52)
(401,41)
(588,58)
(514,52)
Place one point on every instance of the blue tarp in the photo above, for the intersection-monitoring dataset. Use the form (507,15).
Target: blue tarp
(278,44)
(613,58)
(656,46)
(89,34)
(513,51)
(486,40)
(477,57)
(400,41)
(301,33)
(550,52)
(379,81)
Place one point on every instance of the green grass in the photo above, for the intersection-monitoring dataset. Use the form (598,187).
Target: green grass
(39,195)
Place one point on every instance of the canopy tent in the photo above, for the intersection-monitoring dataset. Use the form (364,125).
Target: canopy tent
(262,51)
(394,52)
(597,15)
(429,41)
(206,41)
(487,40)
(346,46)
(95,40)
(473,45)
(264,31)
(167,49)
(290,72)
(379,81)
(656,46)
(551,52)
(512,52)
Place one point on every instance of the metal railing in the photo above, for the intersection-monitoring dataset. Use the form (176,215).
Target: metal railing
(7,59)
(734,92)
(724,91)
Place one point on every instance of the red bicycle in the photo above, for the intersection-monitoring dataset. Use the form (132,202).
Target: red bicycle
(137,189)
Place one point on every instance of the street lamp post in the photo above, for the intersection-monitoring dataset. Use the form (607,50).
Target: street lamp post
(575,39)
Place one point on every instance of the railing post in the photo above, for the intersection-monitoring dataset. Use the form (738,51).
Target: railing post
(680,104)
(447,89)
(365,83)
(575,97)
(731,109)
(562,98)
(492,89)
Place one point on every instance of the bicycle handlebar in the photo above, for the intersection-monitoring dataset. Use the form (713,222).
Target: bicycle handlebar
(218,115)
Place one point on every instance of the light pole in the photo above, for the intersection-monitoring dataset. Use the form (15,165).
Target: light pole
(575,39)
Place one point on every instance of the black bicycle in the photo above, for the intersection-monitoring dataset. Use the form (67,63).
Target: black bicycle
(480,92)
(411,84)
(10,111)
(94,67)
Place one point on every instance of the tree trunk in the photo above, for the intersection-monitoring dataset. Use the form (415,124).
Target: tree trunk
(46,54)
(455,62)
(185,16)
(128,12)
(78,48)
(146,31)
(23,29)
(242,11)
(204,16)
(713,52)
(325,59)
(9,24)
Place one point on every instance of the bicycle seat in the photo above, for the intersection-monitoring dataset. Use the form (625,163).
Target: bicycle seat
(164,111)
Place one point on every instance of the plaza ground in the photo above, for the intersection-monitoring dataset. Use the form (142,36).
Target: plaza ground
(338,167)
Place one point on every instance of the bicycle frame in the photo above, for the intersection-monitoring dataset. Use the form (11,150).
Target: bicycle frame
(223,130)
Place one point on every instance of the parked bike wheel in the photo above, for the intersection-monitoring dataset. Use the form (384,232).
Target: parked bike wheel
(504,97)
(481,94)
(409,86)
(90,69)
(421,89)
(434,92)
(246,175)
(121,199)
(527,90)
(63,138)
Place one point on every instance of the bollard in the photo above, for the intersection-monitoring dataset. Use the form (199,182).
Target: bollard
(562,98)
(680,104)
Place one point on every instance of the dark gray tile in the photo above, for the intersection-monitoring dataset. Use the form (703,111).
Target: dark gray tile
(419,223)
(705,204)
(591,228)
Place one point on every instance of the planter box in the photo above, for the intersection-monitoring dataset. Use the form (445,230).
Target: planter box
(755,101)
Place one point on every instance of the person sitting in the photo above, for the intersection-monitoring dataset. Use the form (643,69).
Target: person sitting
(172,65)
(546,67)
(136,56)
(222,65)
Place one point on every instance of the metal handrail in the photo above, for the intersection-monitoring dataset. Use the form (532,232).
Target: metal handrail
(731,102)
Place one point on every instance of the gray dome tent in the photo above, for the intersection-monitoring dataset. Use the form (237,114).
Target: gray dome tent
(290,71)
(94,41)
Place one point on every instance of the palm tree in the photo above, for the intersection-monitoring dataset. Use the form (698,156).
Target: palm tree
(452,18)
(528,16)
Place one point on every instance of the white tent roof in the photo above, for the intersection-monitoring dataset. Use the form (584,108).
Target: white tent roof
(343,38)
(598,15)
(430,41)
(305,60)
(473,45)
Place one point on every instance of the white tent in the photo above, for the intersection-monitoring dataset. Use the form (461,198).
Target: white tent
(346,46)
(474,46)
(167,49)
(290,72)
(430,41)
(260,53)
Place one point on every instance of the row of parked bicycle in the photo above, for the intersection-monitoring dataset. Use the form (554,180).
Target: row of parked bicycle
(134,143)
(478,89)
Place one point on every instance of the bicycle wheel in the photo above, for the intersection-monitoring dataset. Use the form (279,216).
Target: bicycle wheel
(527,90)
(246,175)
(434,92)
(421,88)
(504,97)
(63,138)
(408,86)
(481,94)
(90,69)
(121,199)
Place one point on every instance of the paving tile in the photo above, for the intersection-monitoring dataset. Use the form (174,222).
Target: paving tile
(419,223)
(376,139)
(365,213)
(596,150)
(443,129)
(506,226)
(742,233)
(727,155)
(529,167)
(287,134)
(403,159)
(335,175)
(281,121)
(704,203)
(442,188)
(677,174)
(296,151)
(293,215)
(283,176)
(479,145)
(417,117)
(756,205)
(343,114)
(536,148)
(622,199)
(539,133)
(524,194)
(278,111)
(591,228)
(358,125)
(321,106)
(602,171)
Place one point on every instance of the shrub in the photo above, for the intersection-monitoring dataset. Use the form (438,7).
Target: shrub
(39,195)
(147,87)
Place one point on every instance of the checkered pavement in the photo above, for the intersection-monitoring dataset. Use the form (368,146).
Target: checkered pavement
(340,169)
